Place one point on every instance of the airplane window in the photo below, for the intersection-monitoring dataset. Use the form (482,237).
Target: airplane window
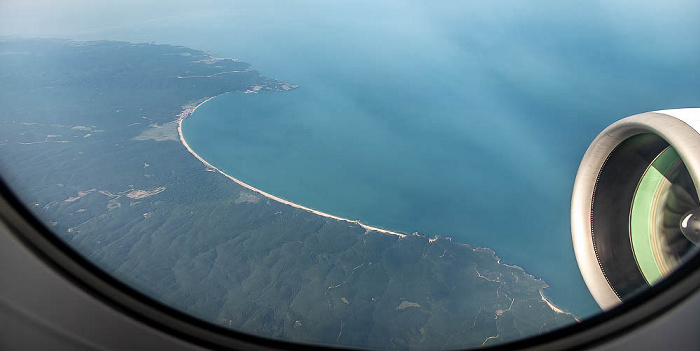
(362,174)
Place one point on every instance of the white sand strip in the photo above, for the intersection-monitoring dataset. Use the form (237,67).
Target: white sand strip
(555,308)
(188,111)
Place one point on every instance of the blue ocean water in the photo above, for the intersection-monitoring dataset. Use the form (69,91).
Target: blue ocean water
(460,119)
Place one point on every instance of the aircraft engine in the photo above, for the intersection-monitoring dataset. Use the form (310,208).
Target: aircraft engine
(635,214)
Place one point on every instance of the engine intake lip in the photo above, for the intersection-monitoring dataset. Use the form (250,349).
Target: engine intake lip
(677,128)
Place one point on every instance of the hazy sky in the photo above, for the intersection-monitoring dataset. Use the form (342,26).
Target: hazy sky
(73,17)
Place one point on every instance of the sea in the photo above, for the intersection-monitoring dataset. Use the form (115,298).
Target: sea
(458,119)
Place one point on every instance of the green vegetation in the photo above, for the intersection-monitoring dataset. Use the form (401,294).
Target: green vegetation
(151,214)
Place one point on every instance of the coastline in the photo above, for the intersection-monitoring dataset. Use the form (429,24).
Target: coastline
(187,111)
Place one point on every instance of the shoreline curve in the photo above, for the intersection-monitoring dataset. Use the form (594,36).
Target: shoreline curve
(188,111)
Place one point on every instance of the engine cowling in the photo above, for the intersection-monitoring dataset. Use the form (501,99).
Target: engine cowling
(635,214)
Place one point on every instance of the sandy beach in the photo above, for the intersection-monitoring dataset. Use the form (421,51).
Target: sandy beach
(187,111)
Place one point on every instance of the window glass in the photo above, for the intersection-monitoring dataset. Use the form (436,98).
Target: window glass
(392,174)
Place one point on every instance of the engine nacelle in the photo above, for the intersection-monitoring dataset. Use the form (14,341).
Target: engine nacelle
(635,214)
